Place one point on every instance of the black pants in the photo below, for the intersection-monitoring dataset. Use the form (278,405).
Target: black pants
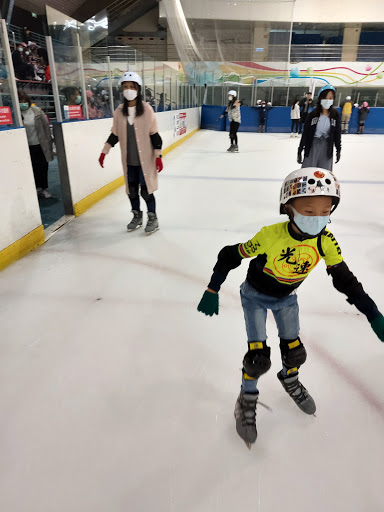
(233,127)
(25,72)
(39,166)
(136,180)
(295,125)
(303,118)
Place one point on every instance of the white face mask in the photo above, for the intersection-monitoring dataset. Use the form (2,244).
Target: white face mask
(230,98)
(130,94)
(310,224)
(327,104)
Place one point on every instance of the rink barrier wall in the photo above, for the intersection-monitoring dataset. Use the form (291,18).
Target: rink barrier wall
(21,229)
(22,247)
(279,121)
(85,191)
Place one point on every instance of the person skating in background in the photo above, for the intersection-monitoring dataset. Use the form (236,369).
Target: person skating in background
(305,108)
(322,131)
(295,118)
(346,112)
(363,114)
(39,141)
(135,127)
(234,116)
(285,254)
(263,108)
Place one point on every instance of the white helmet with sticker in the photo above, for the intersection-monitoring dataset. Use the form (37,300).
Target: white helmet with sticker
(307,182)
(232,93)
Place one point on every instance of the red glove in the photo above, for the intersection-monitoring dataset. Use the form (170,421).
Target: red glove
(101,159)
(159,164)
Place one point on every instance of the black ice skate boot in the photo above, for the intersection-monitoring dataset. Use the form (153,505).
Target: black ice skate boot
(136,222)
(230,149)
(245,414)
(235,148)
(298,393)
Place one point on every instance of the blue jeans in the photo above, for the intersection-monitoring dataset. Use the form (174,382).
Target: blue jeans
(255,307)
(135,179)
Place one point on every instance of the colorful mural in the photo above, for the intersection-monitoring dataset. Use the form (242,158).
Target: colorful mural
(335,73)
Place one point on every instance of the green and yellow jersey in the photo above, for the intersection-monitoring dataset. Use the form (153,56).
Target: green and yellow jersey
(287,258)
(283,259)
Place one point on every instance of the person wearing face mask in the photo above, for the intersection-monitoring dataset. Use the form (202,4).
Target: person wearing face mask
(234,116)
(363,114)
(322,131)
(135,127)
(39,142)
(73,96)
(23,70)
(284,256)
(93,111)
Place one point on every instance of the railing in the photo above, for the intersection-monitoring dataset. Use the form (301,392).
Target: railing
(121,53)
(16,35)
(299,53)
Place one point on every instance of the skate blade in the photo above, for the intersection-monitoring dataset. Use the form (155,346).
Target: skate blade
(151,232)
(137,227)
(265,406)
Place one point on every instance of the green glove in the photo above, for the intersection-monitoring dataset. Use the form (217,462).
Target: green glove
(378,326)
(209,304)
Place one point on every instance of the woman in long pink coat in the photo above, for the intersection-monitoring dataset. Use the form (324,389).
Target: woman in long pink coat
(135,127)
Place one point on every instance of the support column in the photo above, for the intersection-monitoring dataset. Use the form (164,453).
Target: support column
(260,41)
(351,42)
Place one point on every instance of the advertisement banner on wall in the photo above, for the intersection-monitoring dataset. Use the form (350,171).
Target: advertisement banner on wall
(180,124)
(73,112)
(5,115)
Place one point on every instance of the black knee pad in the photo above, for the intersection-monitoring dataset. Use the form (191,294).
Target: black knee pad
(293,353)
(144,194)
(133,190)
(257,360)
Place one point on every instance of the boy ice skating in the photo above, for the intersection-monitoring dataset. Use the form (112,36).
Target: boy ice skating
(285,254)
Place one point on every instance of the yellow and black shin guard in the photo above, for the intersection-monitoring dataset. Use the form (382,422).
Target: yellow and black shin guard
(257,360)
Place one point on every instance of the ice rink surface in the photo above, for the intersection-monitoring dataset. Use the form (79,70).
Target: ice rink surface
(117,396)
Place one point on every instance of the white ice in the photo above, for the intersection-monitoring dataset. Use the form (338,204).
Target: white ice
(117,396)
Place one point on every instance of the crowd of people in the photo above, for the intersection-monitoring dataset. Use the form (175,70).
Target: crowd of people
(30,61)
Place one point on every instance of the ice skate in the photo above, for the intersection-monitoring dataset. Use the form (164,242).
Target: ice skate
(298,393)
(136,222)
(230,149)
(152,224)
(245,414)
(292,135)
(235,148)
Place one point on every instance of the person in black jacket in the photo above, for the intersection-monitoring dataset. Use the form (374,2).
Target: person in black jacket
(363,114)
(305,106)
(322,131)
(23,70)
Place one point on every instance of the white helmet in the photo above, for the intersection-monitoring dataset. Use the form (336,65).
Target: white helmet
(131,76)
(348,98)
(232,93)
(258,102)
(307,182)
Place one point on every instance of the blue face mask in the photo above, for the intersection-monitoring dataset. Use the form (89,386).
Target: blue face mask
(310,224)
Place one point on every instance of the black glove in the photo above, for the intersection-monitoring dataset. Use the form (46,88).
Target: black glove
(299,157)
(337,156)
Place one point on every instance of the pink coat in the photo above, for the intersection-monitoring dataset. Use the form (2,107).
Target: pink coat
(145,126)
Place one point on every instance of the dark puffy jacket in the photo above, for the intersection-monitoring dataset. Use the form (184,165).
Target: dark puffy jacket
(363,113)
(334,138)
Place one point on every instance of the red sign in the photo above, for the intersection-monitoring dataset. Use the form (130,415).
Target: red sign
(73,112)
(5,115)
(183,123)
